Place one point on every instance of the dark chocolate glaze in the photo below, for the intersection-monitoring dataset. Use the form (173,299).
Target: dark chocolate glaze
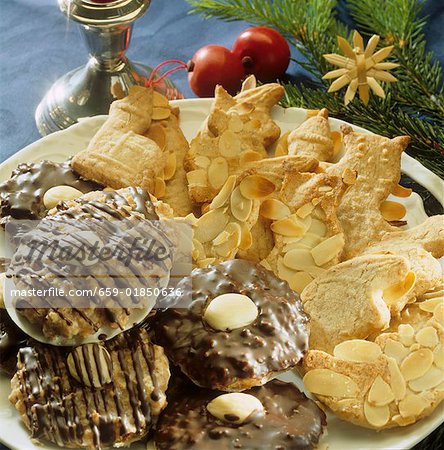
(275,341)
(11,339)
(21,197)
(70,414)
(291,421)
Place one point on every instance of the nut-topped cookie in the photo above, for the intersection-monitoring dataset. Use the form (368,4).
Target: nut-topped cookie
(35,188)
(242,327)
(94,396)
(274,416)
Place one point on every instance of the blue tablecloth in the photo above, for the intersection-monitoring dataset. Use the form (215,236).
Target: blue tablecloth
(39,45)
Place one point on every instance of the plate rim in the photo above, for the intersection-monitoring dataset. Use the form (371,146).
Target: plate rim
(410,166)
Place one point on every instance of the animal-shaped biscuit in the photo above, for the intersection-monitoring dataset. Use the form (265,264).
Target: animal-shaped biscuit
(119,155)
(395,380)
(351,300)
(375,163)
(238,130)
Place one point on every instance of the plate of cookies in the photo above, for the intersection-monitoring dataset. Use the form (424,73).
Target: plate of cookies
(312,313)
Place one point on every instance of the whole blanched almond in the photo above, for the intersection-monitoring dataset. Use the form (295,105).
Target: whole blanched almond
(330,384)
(357,350)
(235,407)
(58,194)
(230,311)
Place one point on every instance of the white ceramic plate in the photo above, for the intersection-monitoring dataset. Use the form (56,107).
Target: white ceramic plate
(341,435)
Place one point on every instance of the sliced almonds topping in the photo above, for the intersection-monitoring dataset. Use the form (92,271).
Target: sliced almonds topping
(328,249)
(282,145)
(210,225)
(197,177)
(429,380)
(392,210)
(159,187)
(249,156)
(218,172)
(229,144)
(380,393)
(159,100)
(170,166)
(330,384)
(241,206)
(224,194)
(401,191)
(416,364)
(289,226)
(412,405)
(397,382)
(274,209)
(161,113)
(357,350)
(377,416)
(256,187)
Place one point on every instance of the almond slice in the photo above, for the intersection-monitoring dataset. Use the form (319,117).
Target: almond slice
(249,156)
(170,166)
(380,393)
(430,305)
(406,334)
(274,209)
(160,113)
(235,407)
(395,350)
(210,225)
(318,227)
(282,145)
(218,172)
(429,380)
(438,313)
(197,177)
(246,238)
(357,350)
(256,187)
(397,382)
(328,249)
(202,161)
(288,227)
(330,384)
(157,133)
(305,210)
(284,272)
(377,416)
(229,144)
(241,207)
(235,123)
(224,194)
(401,191)
(392,210)
(298,259)
(438,356)
(416,364)
(412,406)
(221,238)
(392,294)
(349,176)
(159,188)
(198,250)
(251,125)
(299,281)
(434,294)
(160,100)
(309,241)
(427,337)
(336,137)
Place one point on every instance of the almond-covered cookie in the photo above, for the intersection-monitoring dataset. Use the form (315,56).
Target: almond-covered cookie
(276,415)
(242,327)
(352,300)
(371,167)
(237,131)
(95,396)
(394,381)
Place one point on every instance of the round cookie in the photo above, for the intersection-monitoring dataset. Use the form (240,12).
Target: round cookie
(242,327)
(129,376)
(394,381)
(277,415)
(119,282)
(21,197)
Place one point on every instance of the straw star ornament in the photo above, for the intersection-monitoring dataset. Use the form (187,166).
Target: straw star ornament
(360,68)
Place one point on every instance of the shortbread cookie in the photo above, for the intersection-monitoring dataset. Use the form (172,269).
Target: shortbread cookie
(374,164)
(172,186)
(308,237)
(116,215)
(239,311)
(27,194)
(353,299)
(276,415)
(237,131)
(94,396)
(119,155)
(394,381)
(313,138)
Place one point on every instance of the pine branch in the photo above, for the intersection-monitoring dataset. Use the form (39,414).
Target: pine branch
(427,144)
(399,22)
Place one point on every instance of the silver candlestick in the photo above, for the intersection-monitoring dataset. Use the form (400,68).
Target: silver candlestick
(89,90)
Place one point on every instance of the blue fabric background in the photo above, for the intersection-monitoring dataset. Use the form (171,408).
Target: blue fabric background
(38,45)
